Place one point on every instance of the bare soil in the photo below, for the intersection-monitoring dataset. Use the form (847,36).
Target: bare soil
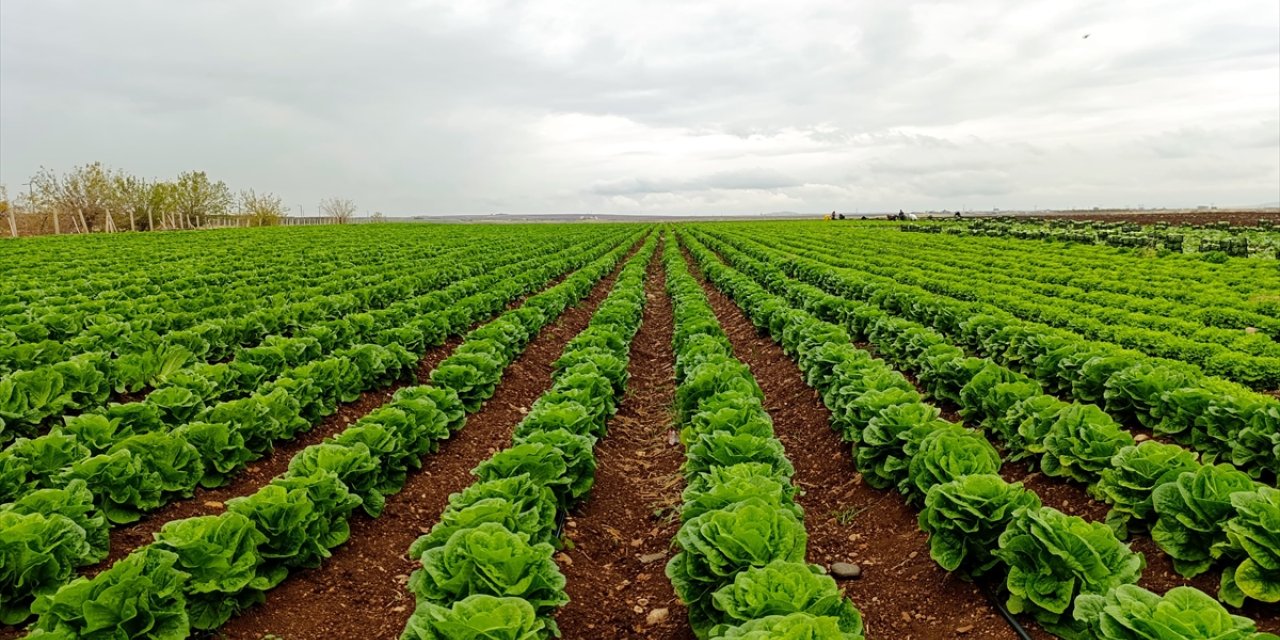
(360,592)
(621,537)
(902,594)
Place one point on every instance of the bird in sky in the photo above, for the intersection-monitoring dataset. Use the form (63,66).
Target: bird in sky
(1085,36)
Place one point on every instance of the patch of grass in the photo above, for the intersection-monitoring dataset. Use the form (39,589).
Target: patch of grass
(846,516)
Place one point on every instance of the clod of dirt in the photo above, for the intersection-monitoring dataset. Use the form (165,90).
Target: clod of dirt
(846,570)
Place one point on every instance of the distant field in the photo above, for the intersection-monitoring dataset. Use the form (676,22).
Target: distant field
(671,430)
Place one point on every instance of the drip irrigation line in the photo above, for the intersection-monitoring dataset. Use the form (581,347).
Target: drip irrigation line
(1004,611)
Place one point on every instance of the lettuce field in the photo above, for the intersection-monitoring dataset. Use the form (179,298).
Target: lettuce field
(799,430)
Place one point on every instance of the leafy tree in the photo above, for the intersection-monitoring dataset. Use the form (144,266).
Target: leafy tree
(196,198)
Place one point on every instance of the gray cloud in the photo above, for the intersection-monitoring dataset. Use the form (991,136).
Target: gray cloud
(413,106)
(755,178)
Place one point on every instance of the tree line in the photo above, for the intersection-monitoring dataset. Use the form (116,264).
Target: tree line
(93,198)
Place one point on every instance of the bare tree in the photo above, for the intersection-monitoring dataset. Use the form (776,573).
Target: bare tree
(84,192)
(379,216)
(340,209)
(7,210)
(263,210)
(195,198)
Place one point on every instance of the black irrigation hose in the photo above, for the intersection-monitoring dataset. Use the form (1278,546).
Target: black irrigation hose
(562,516)
(1004,611)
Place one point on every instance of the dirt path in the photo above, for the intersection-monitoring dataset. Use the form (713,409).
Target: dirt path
(622,535)
(360,592)
(903,594)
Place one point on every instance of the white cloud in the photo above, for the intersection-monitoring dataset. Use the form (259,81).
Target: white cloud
(413,106)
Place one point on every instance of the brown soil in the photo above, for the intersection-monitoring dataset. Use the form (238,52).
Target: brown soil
(360,592)
(1245,218)
(902,594)
(622,536)
(1059,493)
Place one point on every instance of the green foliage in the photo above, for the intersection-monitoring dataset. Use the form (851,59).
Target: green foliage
(140,596)
(1053,558)
(354,465)
(1129,612)
(726,485)
(794,626)
(520,503)
(717,545)
(488,559)
(713,377)
(226,570)
(472,376)
(1080,443)
(74,502)
(1129,483)
(943,455)
(965,518)
(1191,512)
(1252,548)
(881,454)
(301,517)
(38,553)
(722,448)
(782,588)
(476,617)
(125,487)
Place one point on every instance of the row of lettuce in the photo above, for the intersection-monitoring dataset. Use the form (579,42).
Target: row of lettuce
(1236,241)
(62,293)
(1199,514)
(1077,578)
(177,368)
(220,308)
(971,281)
(1181,298)
(137,458)
(1182,290)
(337,354)
(80,508)
(1222,420)
(487,566)
(741,562)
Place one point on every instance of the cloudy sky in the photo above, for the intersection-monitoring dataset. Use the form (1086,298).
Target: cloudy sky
(480,106)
